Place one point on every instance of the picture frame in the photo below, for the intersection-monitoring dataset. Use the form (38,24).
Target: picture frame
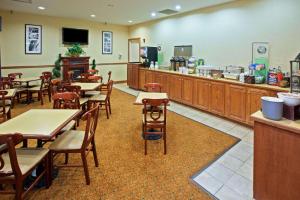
(260,51)
(107,42)
(33,39)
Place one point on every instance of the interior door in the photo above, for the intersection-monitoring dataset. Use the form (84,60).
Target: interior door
(134,50)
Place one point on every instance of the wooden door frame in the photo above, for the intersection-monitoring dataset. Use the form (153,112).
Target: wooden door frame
(133,39)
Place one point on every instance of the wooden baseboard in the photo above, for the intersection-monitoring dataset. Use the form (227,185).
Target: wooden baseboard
(118,82)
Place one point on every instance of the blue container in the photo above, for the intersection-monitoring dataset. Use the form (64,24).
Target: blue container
(272,107)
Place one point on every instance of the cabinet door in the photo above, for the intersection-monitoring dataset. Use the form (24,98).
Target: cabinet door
(142,78)
(201,94)
(129,75)
(217,98)
(235,102)
(135,76)
(187,90)
(149,76)
(162,79)
(254,102)
(175,87)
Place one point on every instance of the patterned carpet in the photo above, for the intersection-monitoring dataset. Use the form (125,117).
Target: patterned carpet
(124,171)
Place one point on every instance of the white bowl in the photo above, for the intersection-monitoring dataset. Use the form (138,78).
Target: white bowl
(289,99)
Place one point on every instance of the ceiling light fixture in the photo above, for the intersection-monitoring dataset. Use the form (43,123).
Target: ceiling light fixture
(153,14)
(41,8)
(93,16)
(178,7)
(130,21)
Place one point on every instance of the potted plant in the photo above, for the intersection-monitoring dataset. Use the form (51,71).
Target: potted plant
(75,51)
(56,70)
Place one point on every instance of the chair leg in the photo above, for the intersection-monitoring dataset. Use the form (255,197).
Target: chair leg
(95,153)
(9,114)
(66,158)
(145,147)
(50,166)
(106,109)
(49,95)
(47,168)
(109,106)
(165,142)
(41,96)
(19,189)
(85,167)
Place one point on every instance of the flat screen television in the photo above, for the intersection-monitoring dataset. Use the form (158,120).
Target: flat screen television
(72,36)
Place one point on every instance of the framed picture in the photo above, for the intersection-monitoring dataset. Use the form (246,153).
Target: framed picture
(107,42)
(33,39)
(260,52)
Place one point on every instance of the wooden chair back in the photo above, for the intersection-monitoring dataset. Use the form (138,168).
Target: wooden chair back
(109,76)
(71,88)
(91,118)
(154,115)
(84,77)
(153,87)
(3,111)
(56,86)
(109,89)
(93,71)
(5,83)
(15,75)
(46,82)
(7,144)
(66,100)
(70,76)
(47,74)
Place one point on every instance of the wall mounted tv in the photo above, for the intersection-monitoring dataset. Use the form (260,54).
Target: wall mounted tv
(72,36)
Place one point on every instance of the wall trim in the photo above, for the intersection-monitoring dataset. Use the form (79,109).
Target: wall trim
(123,81)
(47,66)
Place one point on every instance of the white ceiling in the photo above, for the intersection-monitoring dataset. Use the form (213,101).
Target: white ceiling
(110,11)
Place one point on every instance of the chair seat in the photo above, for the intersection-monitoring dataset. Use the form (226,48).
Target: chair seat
(69,126)
(99,97)
(35,88)
(69,140)
(27,159)
(161,118)
(7,109)
(92,93)
(83,101)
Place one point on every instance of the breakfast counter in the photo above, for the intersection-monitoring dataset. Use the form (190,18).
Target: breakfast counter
(223,97)
(276,158)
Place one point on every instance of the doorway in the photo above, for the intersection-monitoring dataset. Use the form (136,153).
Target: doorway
(134,45)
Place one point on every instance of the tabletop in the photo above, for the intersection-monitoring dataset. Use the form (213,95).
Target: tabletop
(39,123)
(11,93)
(29,79)
(87,86)
(149,95)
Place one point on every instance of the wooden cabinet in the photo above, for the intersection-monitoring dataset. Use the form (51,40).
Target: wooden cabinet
(142,78)
(133,75)
(78,65)
(254,102)
(235,102)
(187,90)
(201,97)
(149,76)
(217,98)
(162,79)
(175,87)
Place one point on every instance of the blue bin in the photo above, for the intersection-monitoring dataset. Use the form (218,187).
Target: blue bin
(272,107)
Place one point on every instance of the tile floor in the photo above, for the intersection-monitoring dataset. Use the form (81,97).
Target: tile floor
(229,177)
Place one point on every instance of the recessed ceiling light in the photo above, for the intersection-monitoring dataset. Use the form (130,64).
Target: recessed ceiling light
(178,7)
(130,21)
(41,8)
(153,14)
(93,16)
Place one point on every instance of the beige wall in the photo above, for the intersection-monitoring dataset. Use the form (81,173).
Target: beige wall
(223,35)
(12,43)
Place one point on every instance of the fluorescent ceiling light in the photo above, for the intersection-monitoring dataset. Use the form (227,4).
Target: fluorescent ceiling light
(153,14)
(93,16)
(178,7)
(41,8)
(130,21)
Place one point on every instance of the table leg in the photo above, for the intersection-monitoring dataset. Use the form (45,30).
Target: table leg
(39,143)
(25,143)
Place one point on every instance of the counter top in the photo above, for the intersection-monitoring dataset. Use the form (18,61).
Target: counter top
(293,126)
(259,86)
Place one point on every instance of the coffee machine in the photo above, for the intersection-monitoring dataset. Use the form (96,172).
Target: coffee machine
(148,55)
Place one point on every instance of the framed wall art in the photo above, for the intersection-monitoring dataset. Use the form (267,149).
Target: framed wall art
(33,39)
(107,42)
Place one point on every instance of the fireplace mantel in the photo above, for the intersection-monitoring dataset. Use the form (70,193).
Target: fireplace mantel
(80,64)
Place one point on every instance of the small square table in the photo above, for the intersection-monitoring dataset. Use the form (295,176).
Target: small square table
(87,86)
(149,95)
(26,80)
(10,93)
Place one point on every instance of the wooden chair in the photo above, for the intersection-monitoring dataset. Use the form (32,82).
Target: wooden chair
(70,76)
(155,120)
(17,164)
(104,99)
(43,89)
(13,76)
(93,71)
(77,89)
(56,86)
(153,87)
(80,142)
(84,77)
(104,87)
(5,108)
(47,74)
(20,89)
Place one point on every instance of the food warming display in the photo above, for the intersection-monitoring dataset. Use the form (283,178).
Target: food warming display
(295,76)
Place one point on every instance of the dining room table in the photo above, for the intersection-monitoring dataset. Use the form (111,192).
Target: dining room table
(26,80)
(87,86)
(149,95)
(11,93)
(39,124)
